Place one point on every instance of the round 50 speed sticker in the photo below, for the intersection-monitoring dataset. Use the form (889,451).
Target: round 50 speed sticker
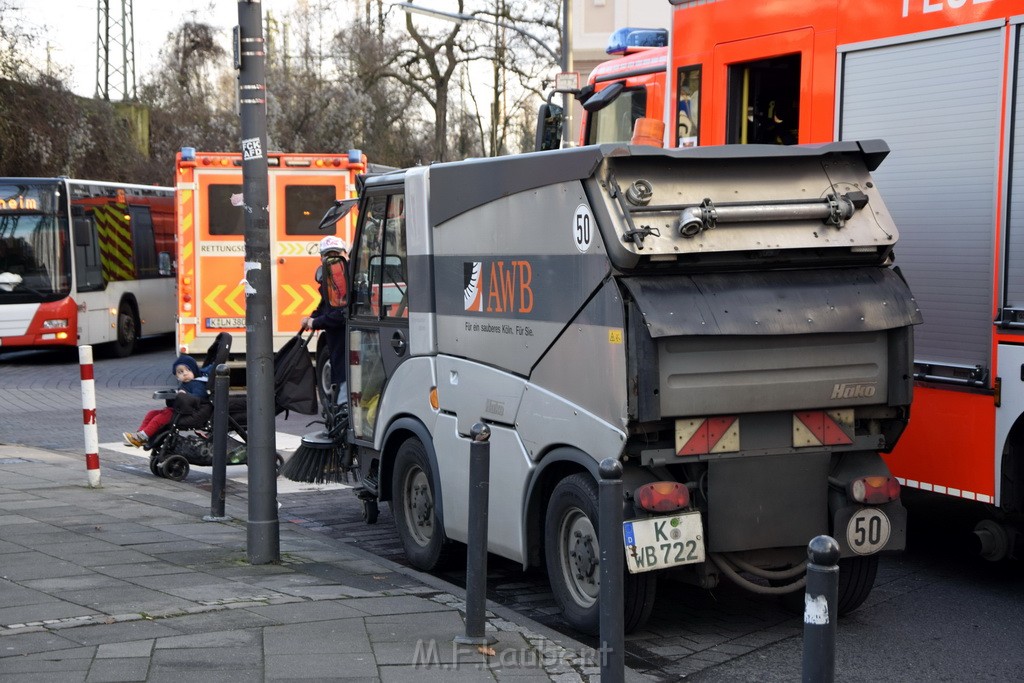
(868,531)
(583,228)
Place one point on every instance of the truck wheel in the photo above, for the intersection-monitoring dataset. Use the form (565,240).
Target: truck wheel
(856,579)
(413,504)
(572,555)
(127,331)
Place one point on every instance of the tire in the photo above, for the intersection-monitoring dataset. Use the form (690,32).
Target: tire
(416,519)
(323,372)
(856,579)
(174,467)
(572,555)
(370,511)
(127,331)
(154,465)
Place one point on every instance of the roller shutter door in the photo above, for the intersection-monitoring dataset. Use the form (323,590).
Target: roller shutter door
(1014,280)
(937,103)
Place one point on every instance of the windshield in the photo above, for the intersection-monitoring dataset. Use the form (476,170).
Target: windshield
(34,265)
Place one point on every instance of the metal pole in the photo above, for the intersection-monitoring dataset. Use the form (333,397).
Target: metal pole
(92,441)
(476,541)
(821,609)
(566,64)
(612,619)
(263,531)
(221,386)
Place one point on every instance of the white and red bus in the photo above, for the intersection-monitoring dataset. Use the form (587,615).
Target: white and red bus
(942,82)
(84,262)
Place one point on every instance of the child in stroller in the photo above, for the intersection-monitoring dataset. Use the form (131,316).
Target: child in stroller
(191,391)
(188,438)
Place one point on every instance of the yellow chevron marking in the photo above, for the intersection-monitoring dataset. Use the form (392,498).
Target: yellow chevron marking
(232,300)
(211,298)
(314,295)
(291,248)
(186,251)
(296,300)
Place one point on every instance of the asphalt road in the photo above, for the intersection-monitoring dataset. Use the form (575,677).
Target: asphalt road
(936,613)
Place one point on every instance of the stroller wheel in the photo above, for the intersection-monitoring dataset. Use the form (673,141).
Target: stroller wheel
(174,467)
(154,465)
(278,462)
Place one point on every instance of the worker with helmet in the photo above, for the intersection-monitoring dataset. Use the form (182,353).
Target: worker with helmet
(330,313)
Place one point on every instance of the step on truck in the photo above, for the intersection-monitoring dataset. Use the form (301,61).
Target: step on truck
(724,321)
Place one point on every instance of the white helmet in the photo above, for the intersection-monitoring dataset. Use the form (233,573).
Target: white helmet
(332,243)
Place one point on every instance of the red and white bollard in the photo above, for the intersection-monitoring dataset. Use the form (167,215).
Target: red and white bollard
(92,440)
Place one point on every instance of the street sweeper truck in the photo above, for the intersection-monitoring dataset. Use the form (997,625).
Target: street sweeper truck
(724,321)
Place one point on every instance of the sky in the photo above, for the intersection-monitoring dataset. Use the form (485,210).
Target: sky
(68,28)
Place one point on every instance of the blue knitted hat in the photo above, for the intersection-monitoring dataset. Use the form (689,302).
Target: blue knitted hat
(189,362)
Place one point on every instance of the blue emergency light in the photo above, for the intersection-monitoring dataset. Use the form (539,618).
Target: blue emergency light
(629,37)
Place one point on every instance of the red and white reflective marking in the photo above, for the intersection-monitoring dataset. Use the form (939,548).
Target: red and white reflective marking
(822,428)
(701,435)
(92,441)
(946,490)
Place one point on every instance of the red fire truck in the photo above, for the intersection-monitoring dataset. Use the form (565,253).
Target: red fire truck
(940,81)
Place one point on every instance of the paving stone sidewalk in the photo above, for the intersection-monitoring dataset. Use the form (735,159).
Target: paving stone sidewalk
(126,582)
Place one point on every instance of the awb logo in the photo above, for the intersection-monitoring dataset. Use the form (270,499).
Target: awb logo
(497,286)
(857,390)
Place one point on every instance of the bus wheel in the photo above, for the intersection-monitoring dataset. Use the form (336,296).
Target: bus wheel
(856,579)
(127,331)
(573,557)
(413,505)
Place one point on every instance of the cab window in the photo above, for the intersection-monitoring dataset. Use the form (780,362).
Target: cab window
(688,106)
(764,101)
(615,122)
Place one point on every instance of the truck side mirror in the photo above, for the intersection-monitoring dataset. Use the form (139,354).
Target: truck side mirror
(338,210)
(550,120)
(603,98)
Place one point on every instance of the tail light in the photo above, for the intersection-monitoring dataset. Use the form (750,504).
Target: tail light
(662,496)
(874,490)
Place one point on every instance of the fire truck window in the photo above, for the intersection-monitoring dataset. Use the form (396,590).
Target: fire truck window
(227,215)
(304,206)
(688,109)
(615,122)
(764,101)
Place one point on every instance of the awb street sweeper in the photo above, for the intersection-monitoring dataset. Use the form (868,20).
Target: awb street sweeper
(724,321)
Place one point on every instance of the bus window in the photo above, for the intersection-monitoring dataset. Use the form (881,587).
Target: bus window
(88,267)
(764,101)
(615,122)
(304,206)
(688,109)
(143,244)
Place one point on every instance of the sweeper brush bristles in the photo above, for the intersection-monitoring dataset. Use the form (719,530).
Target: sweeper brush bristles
(318,460)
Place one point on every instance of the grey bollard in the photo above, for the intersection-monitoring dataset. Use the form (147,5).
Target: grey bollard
(476,541)
(821,609)
(221,386)
(612,620)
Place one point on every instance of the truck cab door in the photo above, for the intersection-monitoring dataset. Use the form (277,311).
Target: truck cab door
(378,308)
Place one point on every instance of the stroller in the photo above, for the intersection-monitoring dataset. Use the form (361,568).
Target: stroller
(188,439)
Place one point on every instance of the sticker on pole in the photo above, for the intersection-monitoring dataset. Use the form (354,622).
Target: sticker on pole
(252,149)
(583,228)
